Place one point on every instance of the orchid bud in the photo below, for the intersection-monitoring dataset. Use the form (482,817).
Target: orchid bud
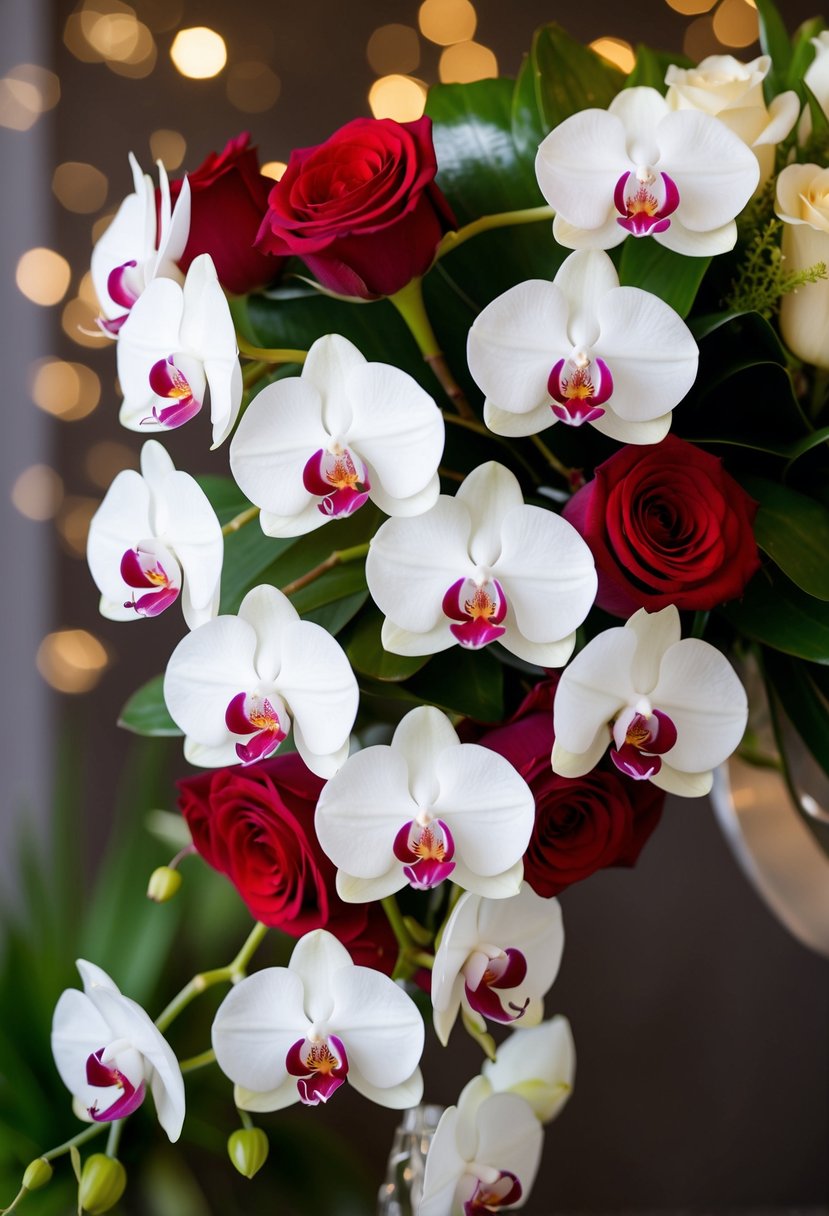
(38,1173)
(248,1150)
(103,1182)
(164,884)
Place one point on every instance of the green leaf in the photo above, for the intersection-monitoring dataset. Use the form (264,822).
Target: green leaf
(776,612)
(803,51)
(774,39)
(335,616)
(820,121)
(248,554)
(145,713)
(671,276)
(528,128)
(651,66)
(803,702)
(569,77)
(367,656)
(464,682)
(224,496)
(793,530)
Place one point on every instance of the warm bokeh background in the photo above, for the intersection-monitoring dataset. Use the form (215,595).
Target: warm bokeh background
(701,1026)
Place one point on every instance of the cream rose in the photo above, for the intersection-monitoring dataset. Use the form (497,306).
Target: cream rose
(803,206)
(732,91)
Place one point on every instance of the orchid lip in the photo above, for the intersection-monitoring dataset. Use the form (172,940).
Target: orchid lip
(641,739)
(427,849)
(107,1077)
(257,716)
(479,607)
(483,977)
(151,569)
(339,479)
(169,381)
(320,1066)
(488,1196)
(579,386)
(645,201)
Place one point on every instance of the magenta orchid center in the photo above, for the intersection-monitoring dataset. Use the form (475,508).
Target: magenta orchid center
(487,973)
(426,848)
(492,1194)
(263,718)
(320,1065)
(579,387)
(106,1069)
(478,607)
(154,576)
(641,735)
(645,199)
(339,479)
(124,288)
(168,380)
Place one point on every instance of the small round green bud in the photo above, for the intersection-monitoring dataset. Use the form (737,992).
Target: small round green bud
(103,1181)
(163,885)
(38,1173)
(248,1149)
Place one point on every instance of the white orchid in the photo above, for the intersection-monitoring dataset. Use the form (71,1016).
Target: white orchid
(317,447)
(296,1033)
(235,684)
(142,243)
(156,536)
(640,168)
(484,1155)
(479,567)
(496,960)
(422,809)
(732,91)
(108,1051)
(672,708)
(582,349)
(175,343)
(538,1063)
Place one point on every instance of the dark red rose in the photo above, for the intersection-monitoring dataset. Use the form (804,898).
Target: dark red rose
(582,824)
(256,825)
(666,525)
(362,209)
(228,198)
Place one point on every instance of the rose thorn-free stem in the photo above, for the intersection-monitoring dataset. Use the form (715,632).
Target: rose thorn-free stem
(232,973)
(409,303)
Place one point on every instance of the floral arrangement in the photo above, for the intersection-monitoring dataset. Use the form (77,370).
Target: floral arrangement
(504,504)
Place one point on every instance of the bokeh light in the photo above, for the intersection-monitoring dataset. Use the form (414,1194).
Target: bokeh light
(106,459)
(397,97)
(198,53)
(467,61)
(73,521)
(252,87)
(79,322)
(170,147)
(79,186)
(700,41)
(447,21)
(37,492)
(394,49)
(72,660)
(26,92)
(68,391)
(735,23)
(42,275)
(274,169)
(617,50)
(691,8)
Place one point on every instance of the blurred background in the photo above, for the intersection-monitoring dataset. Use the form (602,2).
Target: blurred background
(701,1027)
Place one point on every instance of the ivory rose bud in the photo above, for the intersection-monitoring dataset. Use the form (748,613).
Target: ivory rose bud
(732,91)
(362,209)
(803,206)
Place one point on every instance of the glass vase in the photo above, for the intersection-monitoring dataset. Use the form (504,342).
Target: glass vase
(403,1185)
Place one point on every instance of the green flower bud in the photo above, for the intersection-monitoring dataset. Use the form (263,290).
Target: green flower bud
(248,1149)
(163,885)
(38,1173)
(103,1181)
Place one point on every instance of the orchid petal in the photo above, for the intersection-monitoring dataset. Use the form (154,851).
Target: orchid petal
(531,924)
(328,367)
(317,682)
(174,228)
(281,428)
(256,1024)
(509,1137)
(150,332)
(195,534)
(269,613)
(517,426)
(121,521)
(205,671)
(489,492)
(708,244)
(415,504)
(422,738)
(156,465)
(324,764)
(317,960)
(655,632)
(444,1019)
(224,377)
(714,170)
(593,688)
(578,165)
(640,111)
(397,428)
(354,890)
(491,806)
(403,641)
(585,278)
(378,1022)
(502,885)
(539,1064)
(394,1097)
(285,526)
(444,1168)
(686,785)
(285,1094)
(78,1029)
(361,809)
(576,764)
(652,431)
(607,236)
(699,690)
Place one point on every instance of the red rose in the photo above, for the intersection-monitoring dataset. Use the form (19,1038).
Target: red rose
(228,198)
(666,525)
(582,824)
(361,210)
(256,825)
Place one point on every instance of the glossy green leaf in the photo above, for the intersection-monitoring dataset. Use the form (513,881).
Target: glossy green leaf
(335,616)
(465,682)
(145,713)
(651,66)
(802,700)
(793,530)
(776,612)
(671,276)
(367,656)
(803,50)
(820,121)
(249,553)
(569,77)
(774,39)
(528,127)
(225,497)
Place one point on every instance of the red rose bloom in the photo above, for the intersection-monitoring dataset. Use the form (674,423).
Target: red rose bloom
(582,824)
(362,209)
(666,525)
(256,825)
(228,198)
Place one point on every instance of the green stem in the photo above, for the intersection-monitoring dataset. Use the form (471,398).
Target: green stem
(239,521)
(200,1061)
(503,219)
(255,372)
(395,919)
(247,1122)
(339,557)
(421,958)
(232,973)
(552,460)
(409,303)
(81,1138)
(264,354)
(700,622)
(113,1139)
(472,424)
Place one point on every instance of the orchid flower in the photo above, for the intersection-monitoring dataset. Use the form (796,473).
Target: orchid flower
(422,809)
(138,247)
(108,1051)
(480,567)
(318,447)
(496,960)
(538,1063)
(235,684)
(640,168)
(175,342)
(672,709)
(484,1155)
(581,349)
(296,1033)
(156,536)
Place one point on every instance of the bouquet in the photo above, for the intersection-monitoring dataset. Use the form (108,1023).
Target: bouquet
(524,405)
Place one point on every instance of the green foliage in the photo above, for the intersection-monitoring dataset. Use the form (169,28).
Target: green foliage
(793,530)
(773,610)
(650,266)
(774,39)
(763,277)
(145,712)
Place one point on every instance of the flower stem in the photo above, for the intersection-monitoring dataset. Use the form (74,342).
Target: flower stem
(503,219)
(81,1138)
(552,460)
(479,428)
(395,919)
(263,354)
(255,372)
(339,557)
(421,958)
(409,303)
(200,1061)
(239,521)
(116,1129)
(232,973)
(247,1122)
